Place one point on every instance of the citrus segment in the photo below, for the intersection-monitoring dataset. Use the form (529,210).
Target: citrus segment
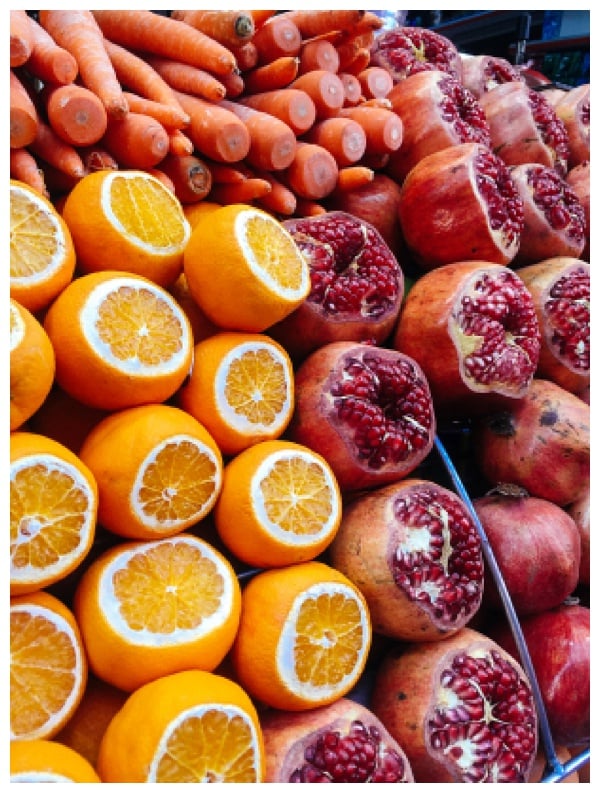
(159,607)
(48,667)
(48,761)
(53,509)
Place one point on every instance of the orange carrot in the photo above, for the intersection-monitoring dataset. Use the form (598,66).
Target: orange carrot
(344,138)
(186,78)
(234,84)
(378,101)
(224,173)
(191,177)
(352,177)
(383,128)
(280,200)
(21,38)
(306,208)
(246,56)
(291,105)
(324,88)
(228,27)
(352,89)
(260,17)
(276,38)
(78,32)
(349,47)
(179,143)
(96,158)
(24,167)
(312,22)
(23,114)
(240,192)
(162,177)
(313,173)
(277,74)
(167,115)
(49,62)
(360,62)
(318,54)
(375,82)
(161,35)
(75,113)
(52,149)
(216,132)
(272,141)
(136,141)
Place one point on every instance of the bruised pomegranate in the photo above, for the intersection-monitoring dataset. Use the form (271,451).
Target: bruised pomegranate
(461,708)
(573,109)
(356,284)
(341,742)
(414,552)
(481,73)
(560,288)
(405,50)
(472,328)
(540,442)
(536,544)
(437,111)
(367,410)
(578,179)
(461,203)
(579,510)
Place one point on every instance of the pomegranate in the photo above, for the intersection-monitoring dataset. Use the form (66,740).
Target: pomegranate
(536,544)
(437,111)
(461,708)
(413,550)
(579,510)
(356,284)
(541,442)
(481,73)
(367,410)
(573,109)
(405,51)
(554,222)
(472,328)
(560,288)
(558,641)
(525,127)
(461,203)
(341,742)
(578,179)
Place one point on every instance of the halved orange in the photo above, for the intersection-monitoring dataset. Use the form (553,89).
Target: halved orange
(48,761)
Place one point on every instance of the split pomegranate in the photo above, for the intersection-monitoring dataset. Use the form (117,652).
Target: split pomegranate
(356,284)
(341,742)
(481,73)
(472,328)
(540,442)
(579,510)
(461,708)
(405,50)
(525,127)
(413,550)
(560,288)
(573,109)
(437,111)
(367,410)
(578,179)
(536,544)
(461,203)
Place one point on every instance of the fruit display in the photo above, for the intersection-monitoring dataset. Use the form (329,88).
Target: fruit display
(299,404)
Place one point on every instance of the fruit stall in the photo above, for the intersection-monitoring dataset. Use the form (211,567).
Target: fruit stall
(299,396)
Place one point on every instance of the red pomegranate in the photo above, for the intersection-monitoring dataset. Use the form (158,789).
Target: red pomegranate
(437,111)
(540,442)
(356,284)
(573,109)
(536,544)
(413,550)
(481,73)
(461,203)
(525,127)
(461,708)
(578,179)
(472,328)
(560,288)
(341,742)
(405,50)
(579,510)
(367,410)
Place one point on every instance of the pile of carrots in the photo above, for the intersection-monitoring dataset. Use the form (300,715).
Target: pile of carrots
(280,109)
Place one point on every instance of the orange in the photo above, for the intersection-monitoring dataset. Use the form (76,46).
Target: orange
(32,364)
(127,220)
(53,509)
(158,470)
(241,387)
(42,254)
(119,339)
(48,761)
(280,504)
(147,609)
(304,636)
(191,726)
(65,419)
(201,324)
(48,666)
(244,268)
(197,210)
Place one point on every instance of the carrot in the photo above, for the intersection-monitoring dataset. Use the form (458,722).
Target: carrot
(270,76)
(228,27)
(52,149)
(352,89)
(228,173)
(349,47)
(360,62)
(240,192)
(352,177)
(96,158)
(136,141)
(188,79)
(49,62)
(166,115)
(312,22)
(260,17)
(23,114)
(344,138)
(162,177)
(75,113)
(313,172)
(306,208)
(78,32)
(324,88)
(276,38)
(383,128)
(21,38)
(191,176)
(234,84)
(290,105)
(216,132)
(375,82)
(179,143)
(246,56)
(161,35)
(378,101)
(24,167)
(272,141)
(318,54)
(280,200)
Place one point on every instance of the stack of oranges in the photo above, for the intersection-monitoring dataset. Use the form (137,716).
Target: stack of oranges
(165,585)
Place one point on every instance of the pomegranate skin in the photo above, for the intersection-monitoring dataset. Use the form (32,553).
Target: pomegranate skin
(541,442)
(579,510)
(482,73)
(578,179)
(424,693)
(573,109)
(290,737)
